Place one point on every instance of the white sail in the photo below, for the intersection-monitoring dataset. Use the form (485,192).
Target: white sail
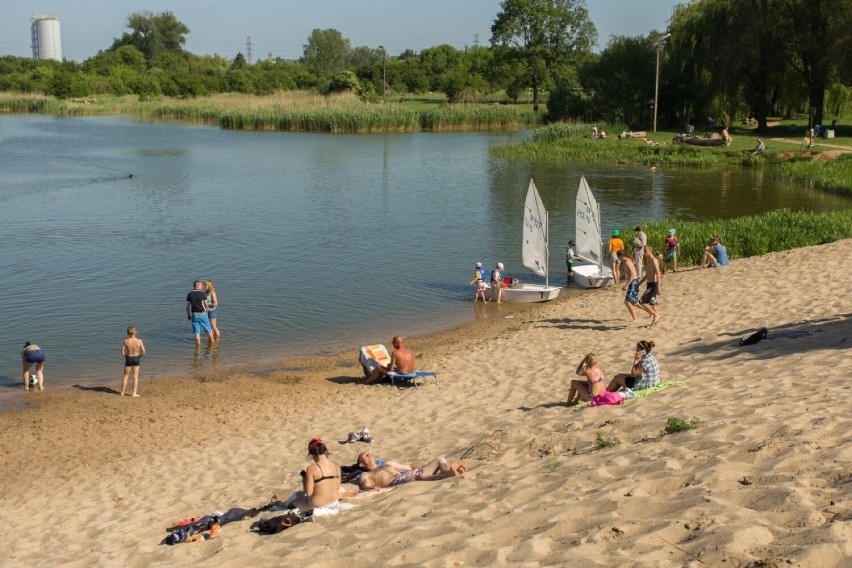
(534,247)
(588,224)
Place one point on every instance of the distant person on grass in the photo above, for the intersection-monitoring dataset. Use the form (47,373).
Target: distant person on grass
(402,362)
(132,349)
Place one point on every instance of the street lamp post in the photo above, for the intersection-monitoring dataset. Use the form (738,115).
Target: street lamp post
(657,82)
(384,76)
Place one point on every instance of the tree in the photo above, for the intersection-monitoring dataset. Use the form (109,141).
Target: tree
(326,53)
(541,34)
(153,33)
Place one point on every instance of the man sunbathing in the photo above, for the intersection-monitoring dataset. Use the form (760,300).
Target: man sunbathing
(391,474)
(402,362)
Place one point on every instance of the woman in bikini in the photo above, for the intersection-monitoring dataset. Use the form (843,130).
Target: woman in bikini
(320,481)
(590,388)
(212,304)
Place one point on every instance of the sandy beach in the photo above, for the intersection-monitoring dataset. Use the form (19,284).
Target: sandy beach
(93,479)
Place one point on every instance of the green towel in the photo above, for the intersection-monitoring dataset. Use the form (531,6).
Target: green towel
(643,392)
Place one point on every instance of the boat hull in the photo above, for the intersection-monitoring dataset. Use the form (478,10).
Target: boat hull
(528,293)
(592,276)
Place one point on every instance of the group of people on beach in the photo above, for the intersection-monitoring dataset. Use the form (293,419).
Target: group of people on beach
(643,374)
(644,266)
(201,304)
(322,478)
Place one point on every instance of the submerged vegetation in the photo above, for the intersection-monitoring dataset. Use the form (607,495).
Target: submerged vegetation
(752,235)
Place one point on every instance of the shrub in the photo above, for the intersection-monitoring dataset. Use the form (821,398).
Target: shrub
(675,425)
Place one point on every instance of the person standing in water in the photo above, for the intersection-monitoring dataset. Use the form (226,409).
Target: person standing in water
(212,304)
(196,312)
(33,356)
(132,350)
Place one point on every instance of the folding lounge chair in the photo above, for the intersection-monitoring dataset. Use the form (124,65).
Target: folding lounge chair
(411,378)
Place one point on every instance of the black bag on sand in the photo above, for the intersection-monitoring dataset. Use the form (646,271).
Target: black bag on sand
(275,525)
(757,336)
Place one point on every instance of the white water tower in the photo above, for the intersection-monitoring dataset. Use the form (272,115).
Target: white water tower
(47,43)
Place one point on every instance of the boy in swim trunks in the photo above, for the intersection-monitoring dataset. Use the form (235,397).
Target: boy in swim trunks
(132,349)
(648,302)
(632,285)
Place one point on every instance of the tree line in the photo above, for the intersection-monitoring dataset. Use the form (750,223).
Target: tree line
(727,59)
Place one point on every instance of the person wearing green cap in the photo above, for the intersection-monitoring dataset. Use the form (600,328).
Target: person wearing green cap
(615,245)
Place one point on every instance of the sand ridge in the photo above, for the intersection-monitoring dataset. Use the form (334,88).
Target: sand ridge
(763,481)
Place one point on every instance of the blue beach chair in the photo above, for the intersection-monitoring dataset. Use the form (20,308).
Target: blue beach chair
(411,378)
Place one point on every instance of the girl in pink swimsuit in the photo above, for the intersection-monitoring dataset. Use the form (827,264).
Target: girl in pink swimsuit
(593,386)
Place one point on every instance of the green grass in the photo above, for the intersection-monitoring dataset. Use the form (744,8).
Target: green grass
(675,425)
(752,235)
(831,175)
(602,441)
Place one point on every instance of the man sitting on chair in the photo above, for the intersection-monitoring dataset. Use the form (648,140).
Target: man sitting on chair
(402,362)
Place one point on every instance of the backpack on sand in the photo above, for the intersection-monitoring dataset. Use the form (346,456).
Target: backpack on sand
(757,336)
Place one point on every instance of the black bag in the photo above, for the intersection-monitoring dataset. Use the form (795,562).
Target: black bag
(757,336)
(275,525)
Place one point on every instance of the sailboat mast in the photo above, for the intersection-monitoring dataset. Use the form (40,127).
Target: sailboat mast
(546,247)
(600,244)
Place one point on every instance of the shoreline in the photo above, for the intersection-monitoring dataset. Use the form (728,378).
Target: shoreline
(12,399)
(763,479)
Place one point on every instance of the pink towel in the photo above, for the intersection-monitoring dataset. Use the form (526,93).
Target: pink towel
(606,398)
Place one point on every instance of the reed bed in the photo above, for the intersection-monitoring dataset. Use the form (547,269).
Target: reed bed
(754,235)
(829,175)
(297,111)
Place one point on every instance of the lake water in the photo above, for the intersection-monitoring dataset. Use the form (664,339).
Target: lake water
(316,242)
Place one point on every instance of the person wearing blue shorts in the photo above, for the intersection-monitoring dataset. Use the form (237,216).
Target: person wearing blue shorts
(196,312)
(631,300)
(33,356)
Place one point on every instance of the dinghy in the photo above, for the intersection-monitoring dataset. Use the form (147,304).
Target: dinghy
(534,253)
(588,240)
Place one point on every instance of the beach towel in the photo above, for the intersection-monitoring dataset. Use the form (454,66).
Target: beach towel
(639,393)
(606,398)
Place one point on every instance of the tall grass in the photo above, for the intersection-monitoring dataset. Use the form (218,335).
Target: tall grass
(830,175)
(753,235)
(292,111)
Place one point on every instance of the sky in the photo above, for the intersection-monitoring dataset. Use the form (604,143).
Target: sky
(282,26)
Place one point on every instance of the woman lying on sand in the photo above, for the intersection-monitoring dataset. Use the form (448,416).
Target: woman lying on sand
(584,390)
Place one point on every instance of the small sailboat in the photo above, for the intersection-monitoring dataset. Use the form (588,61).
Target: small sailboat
(534,252)
(588,241)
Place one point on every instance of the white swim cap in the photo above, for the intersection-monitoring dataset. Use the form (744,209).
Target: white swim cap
(500,265)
